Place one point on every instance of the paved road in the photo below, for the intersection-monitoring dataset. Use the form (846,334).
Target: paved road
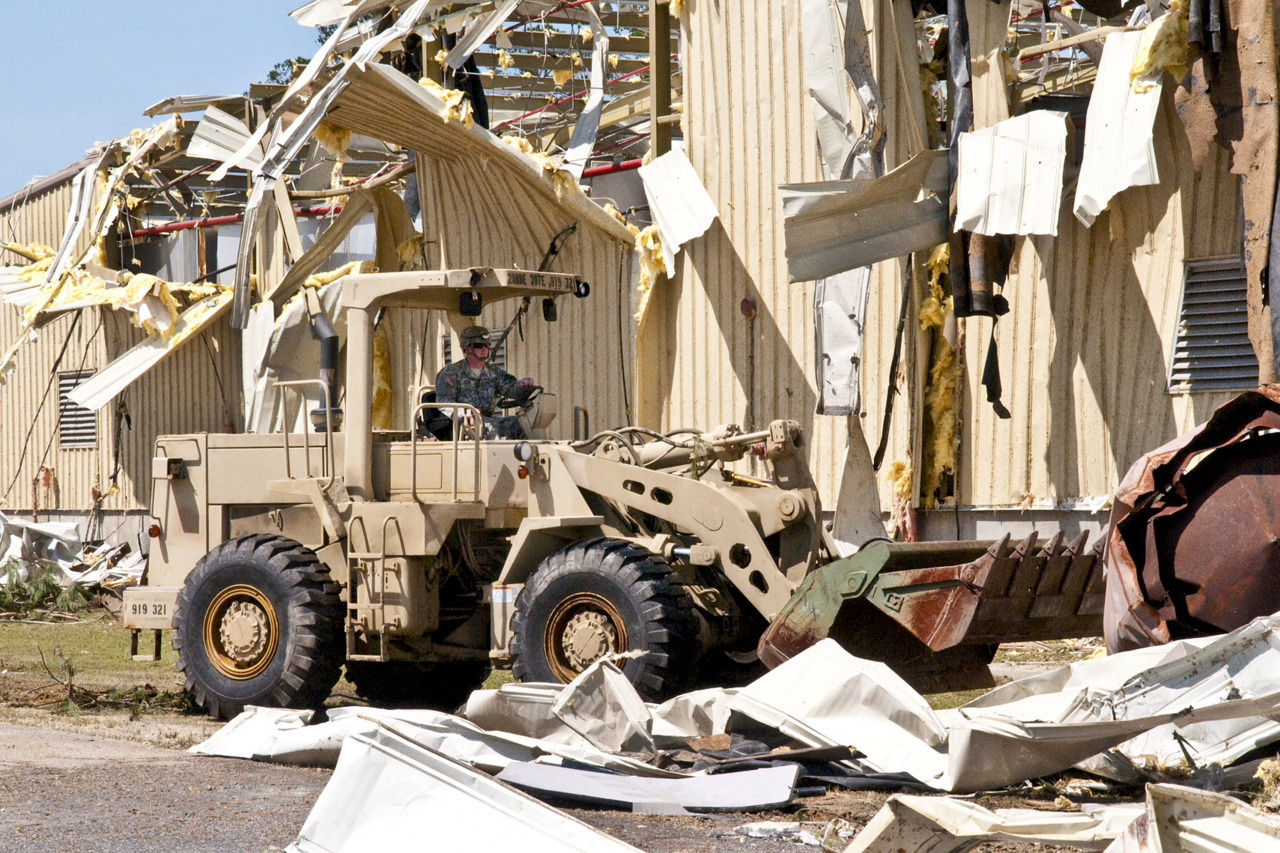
(61,791)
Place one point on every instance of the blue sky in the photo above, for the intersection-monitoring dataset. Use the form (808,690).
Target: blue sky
(76,72)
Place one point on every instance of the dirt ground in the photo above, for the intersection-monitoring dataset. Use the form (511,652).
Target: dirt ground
(116,778)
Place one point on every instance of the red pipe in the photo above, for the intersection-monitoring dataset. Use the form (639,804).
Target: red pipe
(567,98)
(214,221)
(624,166)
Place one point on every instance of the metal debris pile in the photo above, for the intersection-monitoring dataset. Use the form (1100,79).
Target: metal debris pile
(1193,711)
(30,551)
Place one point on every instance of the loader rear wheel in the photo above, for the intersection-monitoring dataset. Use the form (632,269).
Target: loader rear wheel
(258,622)
(408,684)
(599,597)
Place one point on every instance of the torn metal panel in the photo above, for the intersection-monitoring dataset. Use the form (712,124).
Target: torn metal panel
(189,103)
(1119,148)
(602,705)
(915,824)
(99,389)
(769,787)
(220,136)
(699,713)
(479,31)
(840,306)
(1010,179)
(678,202)
(834,226)
(381,102)
(522,709)
(287,143)
(826,697)
(389,794)
(1179,818)
(1167,572)
(583,139)
(840,302)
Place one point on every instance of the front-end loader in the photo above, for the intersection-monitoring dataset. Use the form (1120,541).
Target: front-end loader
(419,562)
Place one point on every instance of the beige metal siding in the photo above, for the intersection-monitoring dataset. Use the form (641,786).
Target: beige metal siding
(1084,350)
(584,358)
(29,418)
(195,389)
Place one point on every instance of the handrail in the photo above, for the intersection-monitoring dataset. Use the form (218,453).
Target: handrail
(306,442)
(478,430)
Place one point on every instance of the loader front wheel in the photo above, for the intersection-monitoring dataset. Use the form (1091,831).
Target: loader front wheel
(599,597)
(258,622)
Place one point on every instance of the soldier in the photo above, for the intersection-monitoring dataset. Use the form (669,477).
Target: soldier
(474,381)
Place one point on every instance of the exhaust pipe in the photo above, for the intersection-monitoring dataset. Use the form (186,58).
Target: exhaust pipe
(322,330)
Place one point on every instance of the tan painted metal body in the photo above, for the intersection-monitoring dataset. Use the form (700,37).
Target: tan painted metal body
(431,540)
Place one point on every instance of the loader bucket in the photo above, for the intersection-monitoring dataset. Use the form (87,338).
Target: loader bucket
(935,611)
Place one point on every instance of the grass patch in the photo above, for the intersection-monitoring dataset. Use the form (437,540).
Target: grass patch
(81,666)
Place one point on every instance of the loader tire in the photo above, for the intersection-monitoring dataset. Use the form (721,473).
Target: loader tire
(258,622)
(408,684)
(602,596)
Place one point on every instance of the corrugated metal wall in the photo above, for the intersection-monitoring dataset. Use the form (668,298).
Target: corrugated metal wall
(195,389)
(584,358)
(29,416)
(182,394)
(1084,350)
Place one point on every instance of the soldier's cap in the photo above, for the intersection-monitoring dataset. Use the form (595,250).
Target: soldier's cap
(474,336)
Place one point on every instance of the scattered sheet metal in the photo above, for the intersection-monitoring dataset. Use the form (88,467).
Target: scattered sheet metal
(602,705)
(26,544)
(1119,149)
(522,709)
(99,389)
(1180,819)
(770,787)
(388,793)
(914,824)
(1167,572)
(28,548)
(283,736)
(272,734)
(840,304)
(1010,179)
(679,203)
(826,697)
(833,226)
(697,714)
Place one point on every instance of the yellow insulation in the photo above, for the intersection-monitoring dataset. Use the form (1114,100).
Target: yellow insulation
(30,251)
(941,396)
(649,251)
(561,75)
(410,251)
(1164,47)
(456,106)
(504,60)
(677,8)
(381,416)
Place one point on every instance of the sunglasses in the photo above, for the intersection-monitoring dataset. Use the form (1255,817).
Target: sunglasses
(478,346)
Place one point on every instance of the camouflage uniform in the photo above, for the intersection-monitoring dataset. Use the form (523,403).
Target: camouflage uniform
(454,384)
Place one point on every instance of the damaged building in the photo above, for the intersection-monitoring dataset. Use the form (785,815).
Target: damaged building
(1119,333)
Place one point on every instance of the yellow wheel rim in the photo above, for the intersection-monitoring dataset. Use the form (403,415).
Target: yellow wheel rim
(582,628)
(241,632)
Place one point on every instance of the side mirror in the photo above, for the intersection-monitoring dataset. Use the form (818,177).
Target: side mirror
(549,310)
(581,289)
(469,303)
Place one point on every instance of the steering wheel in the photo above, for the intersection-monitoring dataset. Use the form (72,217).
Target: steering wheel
(521,398)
